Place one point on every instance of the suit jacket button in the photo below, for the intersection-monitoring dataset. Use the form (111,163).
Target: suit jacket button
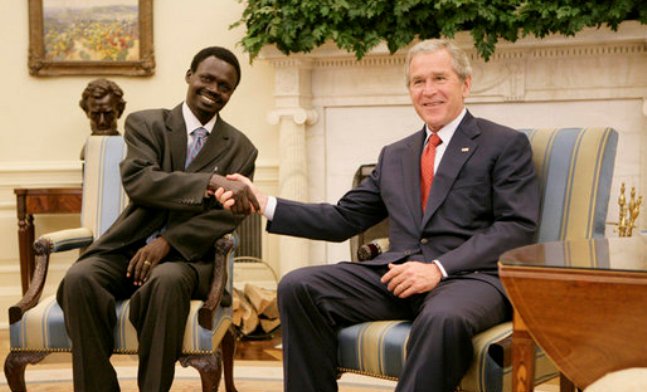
(424,241)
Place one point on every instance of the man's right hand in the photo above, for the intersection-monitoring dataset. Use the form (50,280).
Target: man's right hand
(244,199)
(229,201)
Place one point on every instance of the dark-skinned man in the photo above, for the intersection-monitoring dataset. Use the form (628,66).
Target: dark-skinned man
(159,252)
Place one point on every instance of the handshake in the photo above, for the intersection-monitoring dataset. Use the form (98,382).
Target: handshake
(237,193)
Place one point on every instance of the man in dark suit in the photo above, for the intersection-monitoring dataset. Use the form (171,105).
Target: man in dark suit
(458,193)
(160,250)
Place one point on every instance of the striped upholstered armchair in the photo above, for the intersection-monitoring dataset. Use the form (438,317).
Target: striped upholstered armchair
(36,325)
(575,167)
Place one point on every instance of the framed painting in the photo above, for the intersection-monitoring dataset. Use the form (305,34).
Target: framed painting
(91,37)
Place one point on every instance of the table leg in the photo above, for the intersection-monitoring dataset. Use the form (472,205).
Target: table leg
(25,241)
(523,357)
(566,385)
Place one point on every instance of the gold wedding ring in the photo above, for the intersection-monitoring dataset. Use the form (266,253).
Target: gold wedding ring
(146,262)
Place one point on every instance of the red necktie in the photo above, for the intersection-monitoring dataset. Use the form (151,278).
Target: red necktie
(427,167)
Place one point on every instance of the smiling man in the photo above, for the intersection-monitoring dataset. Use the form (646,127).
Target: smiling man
(458,193)
(160,251)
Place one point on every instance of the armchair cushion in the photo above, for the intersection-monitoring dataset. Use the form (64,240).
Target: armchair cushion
(378,349)
(42,329)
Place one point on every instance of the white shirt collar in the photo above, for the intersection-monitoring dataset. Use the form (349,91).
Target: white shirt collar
(192,121)
(445,133)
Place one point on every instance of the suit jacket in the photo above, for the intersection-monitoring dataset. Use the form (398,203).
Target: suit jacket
(163,194)
(484,200)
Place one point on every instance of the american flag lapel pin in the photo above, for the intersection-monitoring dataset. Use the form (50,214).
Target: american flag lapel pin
(465,149)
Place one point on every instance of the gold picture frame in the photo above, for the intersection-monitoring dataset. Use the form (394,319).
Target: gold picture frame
(91,37)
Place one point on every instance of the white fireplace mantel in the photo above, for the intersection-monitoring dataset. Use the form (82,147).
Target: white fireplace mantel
(335,112)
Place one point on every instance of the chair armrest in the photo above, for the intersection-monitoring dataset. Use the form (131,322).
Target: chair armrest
(217,294)
(63,240)
(45,245)
(372,249)
(501,351)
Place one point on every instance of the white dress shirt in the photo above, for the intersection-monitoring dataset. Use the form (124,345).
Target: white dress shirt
(192,123)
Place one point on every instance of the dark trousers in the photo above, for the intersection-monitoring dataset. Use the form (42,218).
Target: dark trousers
(315,302)
(158,310)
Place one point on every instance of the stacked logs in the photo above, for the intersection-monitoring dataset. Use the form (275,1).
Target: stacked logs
(255,311)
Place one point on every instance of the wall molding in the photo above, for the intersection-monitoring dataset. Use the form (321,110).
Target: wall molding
(629,39)
(52,174)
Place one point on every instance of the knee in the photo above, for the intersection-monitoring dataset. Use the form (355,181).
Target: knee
(167,284)
(79,287)
(77,280)
(291,284)
(293,288)
(447,320)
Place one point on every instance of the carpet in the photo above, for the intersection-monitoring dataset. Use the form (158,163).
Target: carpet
(250,376)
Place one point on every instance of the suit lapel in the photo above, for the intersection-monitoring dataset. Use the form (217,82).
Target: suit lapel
(411,175)
(178,139)
(216,144)
(459,150)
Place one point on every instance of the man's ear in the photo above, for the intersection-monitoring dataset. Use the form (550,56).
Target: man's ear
(188,75)
(467,86)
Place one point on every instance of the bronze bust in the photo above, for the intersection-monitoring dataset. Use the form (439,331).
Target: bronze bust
(103,103)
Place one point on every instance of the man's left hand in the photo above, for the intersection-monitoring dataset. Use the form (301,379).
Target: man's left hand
(146,258)
(412,277)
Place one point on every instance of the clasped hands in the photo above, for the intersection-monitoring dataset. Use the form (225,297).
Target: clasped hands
(240,194)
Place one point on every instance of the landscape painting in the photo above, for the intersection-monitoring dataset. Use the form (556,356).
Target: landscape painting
(91,36)
(82,30)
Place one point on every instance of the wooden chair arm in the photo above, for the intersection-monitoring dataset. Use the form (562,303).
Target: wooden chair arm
(217,294)
(372,249)
(501,351)
(42,250)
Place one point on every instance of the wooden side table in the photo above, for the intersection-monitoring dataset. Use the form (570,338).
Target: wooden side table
(30,201)
(583,302)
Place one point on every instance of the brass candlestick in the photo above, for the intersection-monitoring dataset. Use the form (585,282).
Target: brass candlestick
(628,213)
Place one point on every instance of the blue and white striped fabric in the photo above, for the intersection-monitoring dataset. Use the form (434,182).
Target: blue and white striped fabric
(103,195)
(575,167)
(42,329)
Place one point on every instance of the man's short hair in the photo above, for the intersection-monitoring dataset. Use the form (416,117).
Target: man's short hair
(98,89)
(460,60)
(219,52)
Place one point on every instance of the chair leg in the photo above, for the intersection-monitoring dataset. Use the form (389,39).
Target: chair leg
(208,365)
(14,368)
(228,345)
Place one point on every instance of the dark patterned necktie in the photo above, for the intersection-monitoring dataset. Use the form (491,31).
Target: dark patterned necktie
(199,137)
(427,167)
